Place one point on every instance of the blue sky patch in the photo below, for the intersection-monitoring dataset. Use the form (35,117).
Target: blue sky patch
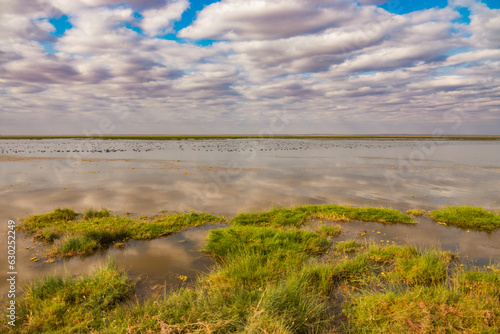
(61,24)
(405,7)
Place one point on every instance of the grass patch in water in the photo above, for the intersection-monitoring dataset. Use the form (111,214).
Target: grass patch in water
(298,216)
(467,217)
(347,213)
(273,217)
(98,229)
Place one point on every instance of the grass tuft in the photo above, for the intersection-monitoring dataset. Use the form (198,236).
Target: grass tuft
(347,246)
(91,213)
(416,212)
(329,231)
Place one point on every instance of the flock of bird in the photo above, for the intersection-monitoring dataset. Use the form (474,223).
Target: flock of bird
(79,146)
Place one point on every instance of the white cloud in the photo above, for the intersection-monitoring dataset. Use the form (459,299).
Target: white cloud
(273,19)
(98,31)
(160,21)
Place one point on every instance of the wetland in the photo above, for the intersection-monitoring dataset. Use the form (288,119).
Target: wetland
(254,234)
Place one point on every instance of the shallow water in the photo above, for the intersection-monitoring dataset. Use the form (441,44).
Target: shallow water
(231,176)
(156,264)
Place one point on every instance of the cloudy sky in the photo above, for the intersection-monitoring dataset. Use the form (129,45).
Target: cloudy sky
(249,66)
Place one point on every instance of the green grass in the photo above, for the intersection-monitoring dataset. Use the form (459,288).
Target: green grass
(469,303)
(71,304)
(33,223)
(467,217)
(422,270)
(274,217)
(254,288)
(268,241)
(329,231)
(268,276)
(98,229)
(388,254)
(269,279)
(347,213)
(299,215)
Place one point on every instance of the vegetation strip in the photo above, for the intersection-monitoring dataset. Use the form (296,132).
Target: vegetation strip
(299,215)
(215,137)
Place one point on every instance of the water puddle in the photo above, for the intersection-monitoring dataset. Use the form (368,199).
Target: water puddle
(474,248)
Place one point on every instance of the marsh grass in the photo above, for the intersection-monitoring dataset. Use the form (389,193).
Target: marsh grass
(299,215)
(347,213)
(467,304)
(255,287)
(268,241)
(268,277)
(72,304)
(98,229)
(275,280)
(467,217)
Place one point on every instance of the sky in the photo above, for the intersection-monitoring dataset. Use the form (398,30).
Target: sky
(274,67)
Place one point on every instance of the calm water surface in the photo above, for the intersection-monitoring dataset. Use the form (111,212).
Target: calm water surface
(232,176)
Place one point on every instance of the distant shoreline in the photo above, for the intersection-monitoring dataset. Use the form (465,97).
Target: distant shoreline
(215,137)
